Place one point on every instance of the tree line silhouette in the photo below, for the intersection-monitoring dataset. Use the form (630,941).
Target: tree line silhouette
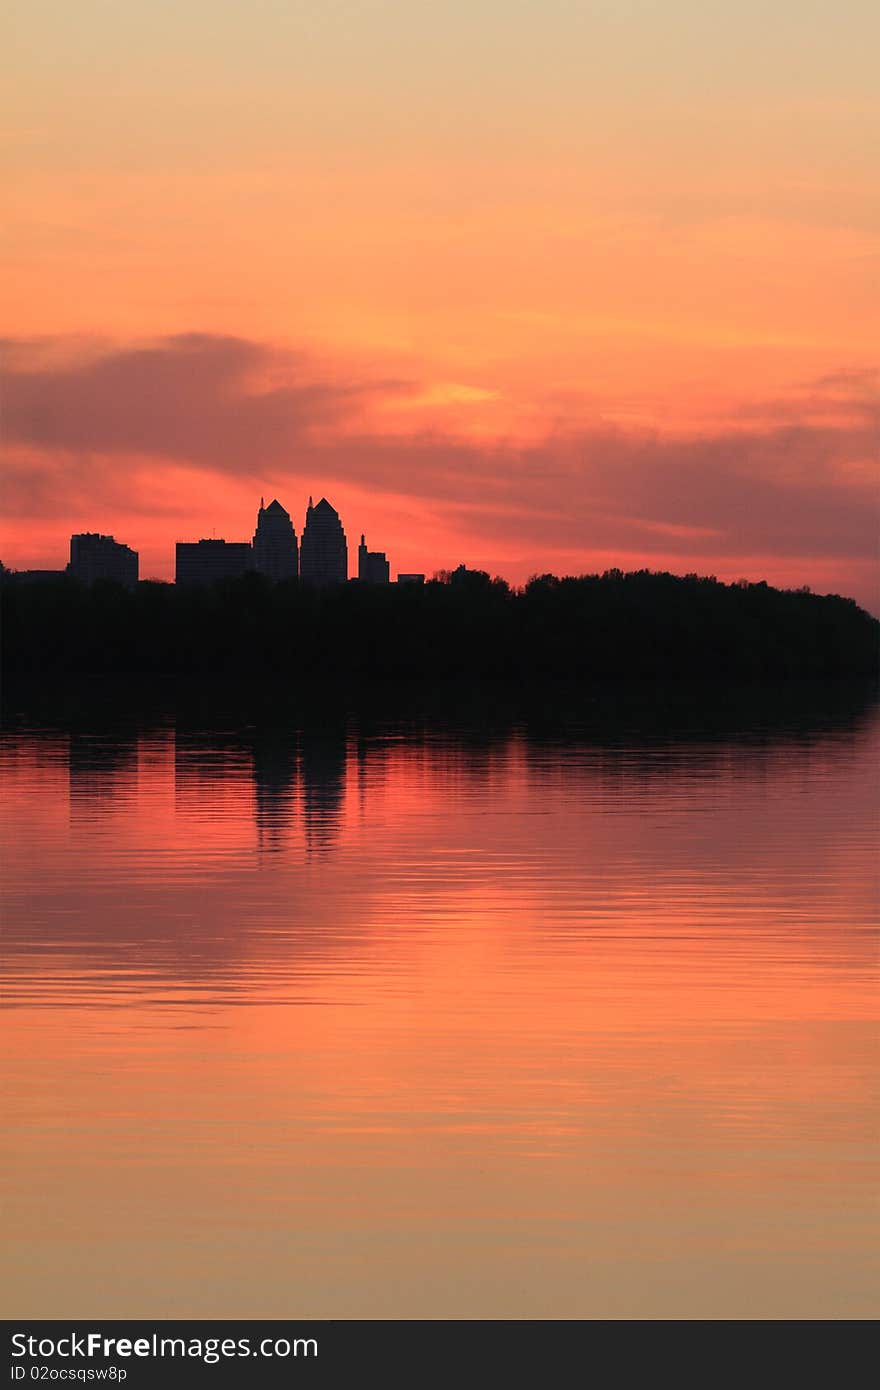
(462,624)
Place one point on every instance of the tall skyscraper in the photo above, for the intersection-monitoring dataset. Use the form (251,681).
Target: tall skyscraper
(93,556)
(323,553)
(373,568)
(206,561)
(275,550)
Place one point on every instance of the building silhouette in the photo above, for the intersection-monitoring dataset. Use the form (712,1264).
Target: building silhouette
(102,774)
(410,579)
(93,556)
(276,785)
(275,548)
(38,576)
(373,568)
(323,762)
(206,561)
(324,552)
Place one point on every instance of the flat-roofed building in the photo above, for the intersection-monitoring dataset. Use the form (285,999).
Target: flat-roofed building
(93,556)
(206,561)
(38,576)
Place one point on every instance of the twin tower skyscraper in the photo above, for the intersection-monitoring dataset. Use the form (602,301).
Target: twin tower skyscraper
(321,558)
(324,558)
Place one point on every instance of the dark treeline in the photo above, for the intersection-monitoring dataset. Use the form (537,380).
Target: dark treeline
(639,625)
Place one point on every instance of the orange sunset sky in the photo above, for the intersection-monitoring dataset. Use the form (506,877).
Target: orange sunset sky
(533,285)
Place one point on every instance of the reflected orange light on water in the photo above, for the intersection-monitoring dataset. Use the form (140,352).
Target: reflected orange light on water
(343,1027)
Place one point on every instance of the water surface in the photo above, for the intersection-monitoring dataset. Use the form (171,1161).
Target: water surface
(354,1018)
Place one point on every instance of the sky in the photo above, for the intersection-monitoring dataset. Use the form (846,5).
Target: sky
(541,285)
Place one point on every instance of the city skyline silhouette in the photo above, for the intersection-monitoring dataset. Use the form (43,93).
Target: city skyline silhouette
(440,641)
(318,556)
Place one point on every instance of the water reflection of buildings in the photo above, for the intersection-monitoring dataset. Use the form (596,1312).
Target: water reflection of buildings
(322,767)
(276,778)
(299,783)
(212,783)
(102,774)
(292,783)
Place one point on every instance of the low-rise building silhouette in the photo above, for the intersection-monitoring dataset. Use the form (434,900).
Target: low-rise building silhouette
(206,561)
(275,549)
(93,556)
(410,579)
(324,551)
(373,568)
(38,576)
